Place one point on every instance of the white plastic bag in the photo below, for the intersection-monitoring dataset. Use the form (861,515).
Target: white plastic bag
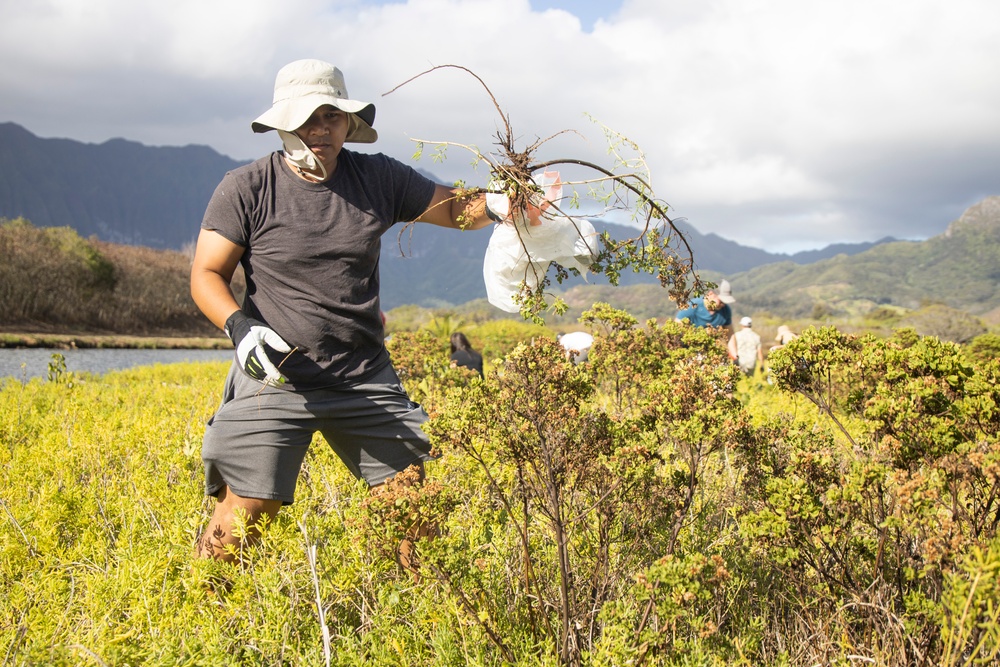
(521,250)
(539,204)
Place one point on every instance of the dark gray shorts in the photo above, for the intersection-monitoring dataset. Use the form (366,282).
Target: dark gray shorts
(256,441)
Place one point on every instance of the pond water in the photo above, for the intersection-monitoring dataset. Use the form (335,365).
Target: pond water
(27,363)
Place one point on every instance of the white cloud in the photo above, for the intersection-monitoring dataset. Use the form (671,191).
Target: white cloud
(778,123)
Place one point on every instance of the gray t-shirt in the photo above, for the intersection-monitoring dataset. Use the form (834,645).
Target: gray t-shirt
(312,256)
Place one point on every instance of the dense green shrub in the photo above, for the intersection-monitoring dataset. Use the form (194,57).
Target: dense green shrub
(985,347)
(871,525)
(650,506)
(496,338)
(585,498)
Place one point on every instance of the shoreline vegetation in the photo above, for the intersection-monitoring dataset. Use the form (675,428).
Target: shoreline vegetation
(64,341)
(61,291)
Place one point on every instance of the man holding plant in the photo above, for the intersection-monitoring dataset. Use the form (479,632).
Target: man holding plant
(306,223)
(711,310)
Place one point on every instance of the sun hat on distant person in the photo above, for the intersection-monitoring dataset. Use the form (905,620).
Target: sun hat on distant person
(725,292)
(746,322)
(303,86)
(785,335)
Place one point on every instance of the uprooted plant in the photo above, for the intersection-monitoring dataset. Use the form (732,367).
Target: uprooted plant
(659,248)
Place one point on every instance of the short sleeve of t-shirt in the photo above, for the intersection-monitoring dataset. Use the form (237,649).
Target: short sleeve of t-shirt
(247,197)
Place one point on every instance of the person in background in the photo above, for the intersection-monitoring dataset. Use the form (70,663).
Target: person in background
(306,224)
(577,345)
(785,336)
(745,348)
(710,310)
(463,354)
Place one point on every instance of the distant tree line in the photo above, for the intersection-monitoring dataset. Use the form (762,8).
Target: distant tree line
(53,279)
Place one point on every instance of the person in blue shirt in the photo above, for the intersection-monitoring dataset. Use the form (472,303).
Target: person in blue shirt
(711,310)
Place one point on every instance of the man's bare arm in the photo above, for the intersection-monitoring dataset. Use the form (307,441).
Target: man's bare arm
(449,209)
(215,260)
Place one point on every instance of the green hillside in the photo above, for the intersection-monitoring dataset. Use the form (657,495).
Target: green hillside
(960,268)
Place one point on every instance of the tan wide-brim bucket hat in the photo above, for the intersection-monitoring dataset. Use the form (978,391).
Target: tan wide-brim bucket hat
(303,86)
(725,292)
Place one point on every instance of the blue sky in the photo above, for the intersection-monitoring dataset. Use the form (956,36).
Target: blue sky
(588,11)
(780,124)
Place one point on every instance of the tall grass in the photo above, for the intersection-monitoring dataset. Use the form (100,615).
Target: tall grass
(769,553)
(101,504)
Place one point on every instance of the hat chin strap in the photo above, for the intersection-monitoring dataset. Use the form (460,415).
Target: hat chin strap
(299,154)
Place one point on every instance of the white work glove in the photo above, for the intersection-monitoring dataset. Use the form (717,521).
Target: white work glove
(250,336)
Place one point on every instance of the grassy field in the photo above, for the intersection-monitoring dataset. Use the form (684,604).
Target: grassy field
(705,518)
(102,504)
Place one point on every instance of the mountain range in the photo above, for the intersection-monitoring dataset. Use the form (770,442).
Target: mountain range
(959,268)
(125,192)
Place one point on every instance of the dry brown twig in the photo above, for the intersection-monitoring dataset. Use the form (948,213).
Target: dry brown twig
(283,360)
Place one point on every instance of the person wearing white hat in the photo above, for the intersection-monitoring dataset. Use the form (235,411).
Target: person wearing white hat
(784,337)
(306,223)
(711,310)
(745,348)
(577,345)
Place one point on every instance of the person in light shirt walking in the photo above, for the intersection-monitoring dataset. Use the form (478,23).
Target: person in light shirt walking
(745,348)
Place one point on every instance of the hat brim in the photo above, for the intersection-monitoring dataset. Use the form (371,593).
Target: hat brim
(725,298)
(290,115)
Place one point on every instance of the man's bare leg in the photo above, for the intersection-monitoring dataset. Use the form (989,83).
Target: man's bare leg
(219,532)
